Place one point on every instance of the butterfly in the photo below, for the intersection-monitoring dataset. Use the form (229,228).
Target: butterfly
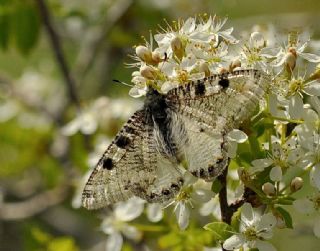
(187,125)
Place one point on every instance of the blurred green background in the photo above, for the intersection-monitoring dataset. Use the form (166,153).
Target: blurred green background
(40,167)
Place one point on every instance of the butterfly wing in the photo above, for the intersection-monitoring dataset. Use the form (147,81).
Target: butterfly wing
(208,110)
(121,164)
(133,165)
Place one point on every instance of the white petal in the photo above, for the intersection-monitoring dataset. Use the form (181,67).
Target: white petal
(211,207)
(201,195)
(154,212)
(310,57)
(315,176)
(137,92)
(71,128)
(247,214)
(313,88)
(304,206)
(315,102)
(276,173)
(114,242)
(182,214)
(189,25)
(88,124)
(316,227)
(107,225)
(267,222)
(207,208)
(310,115)
(273,102)
(296,107)
(237,135)
(232,149)
(167,86)
(263,163)
(264,246)
(235,241)
(131,232)
(130,209)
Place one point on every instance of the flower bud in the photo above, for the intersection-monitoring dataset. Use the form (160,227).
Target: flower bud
(156,58)
(177,47)
(204,68)
(148,72)
(234,64)
(144,53)
(222,70)
(269,189)
(296,184)
(257,40)
(290,59)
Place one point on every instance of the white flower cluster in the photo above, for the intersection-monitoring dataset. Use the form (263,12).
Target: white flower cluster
(187,51)
(279,149)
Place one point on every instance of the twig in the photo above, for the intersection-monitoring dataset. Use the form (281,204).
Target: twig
(57,49)
(226,212)
(90,50)
(34,205)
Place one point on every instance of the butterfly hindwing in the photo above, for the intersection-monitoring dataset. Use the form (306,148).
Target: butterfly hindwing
(211,108)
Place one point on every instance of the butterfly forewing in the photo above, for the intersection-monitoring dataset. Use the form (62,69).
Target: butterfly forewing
(122,165)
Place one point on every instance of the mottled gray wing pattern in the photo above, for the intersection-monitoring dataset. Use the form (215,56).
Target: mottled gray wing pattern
(211,108)
(121,164)
(130,166)
(144,159)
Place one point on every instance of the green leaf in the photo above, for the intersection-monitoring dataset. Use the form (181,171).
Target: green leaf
(26,27)
(220,230)
(285,201)
(216,186)
(62,244)
(286,216)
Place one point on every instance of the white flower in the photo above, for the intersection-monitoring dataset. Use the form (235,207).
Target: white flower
(281,158)
(116,224)
(254,230)
(309,140)
(294,49)
(216,26)
(85,122)
(310,205)
(192,194)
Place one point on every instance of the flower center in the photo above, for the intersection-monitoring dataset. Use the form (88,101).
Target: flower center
(251,234)
(316,202)
(295,86)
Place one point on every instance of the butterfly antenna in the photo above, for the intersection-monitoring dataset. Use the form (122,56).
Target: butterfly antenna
(120,82)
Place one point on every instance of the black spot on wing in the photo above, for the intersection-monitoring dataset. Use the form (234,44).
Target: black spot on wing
(224,82)
(129,129)
(107,163)
(200,88)
(122,141)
